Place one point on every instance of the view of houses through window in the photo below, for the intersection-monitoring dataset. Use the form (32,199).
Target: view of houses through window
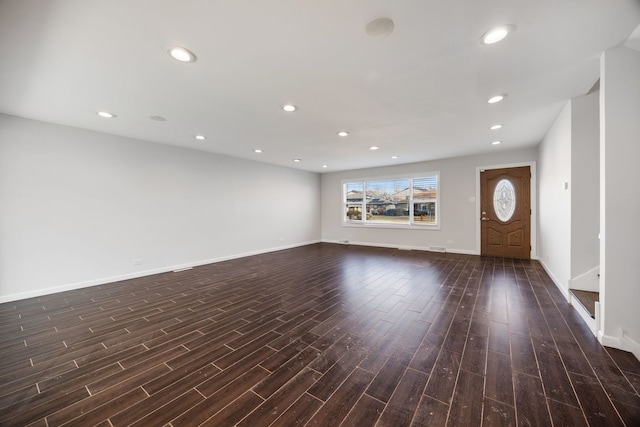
(403,201)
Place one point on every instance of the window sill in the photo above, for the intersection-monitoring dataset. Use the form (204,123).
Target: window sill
(392,226)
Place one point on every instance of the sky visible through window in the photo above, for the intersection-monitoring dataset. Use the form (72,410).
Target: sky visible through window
(387,187)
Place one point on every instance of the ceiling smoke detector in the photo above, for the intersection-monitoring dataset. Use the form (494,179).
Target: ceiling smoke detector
(379,27)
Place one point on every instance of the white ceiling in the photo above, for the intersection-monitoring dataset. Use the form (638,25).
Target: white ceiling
(419,93)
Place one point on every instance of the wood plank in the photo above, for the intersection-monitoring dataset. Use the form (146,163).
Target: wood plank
(442,381)
(531,404)
(340,403)
(496,414)
(566,415)
(595,403)
(331,380)
(223,395)
(555,379)
(499,382)
(430,412)
(474,358)
(300,412)
(466,407)
(404,401)
(387,379)
(281,400)
(499,337)
(285,372)
(365,413)
(302,335)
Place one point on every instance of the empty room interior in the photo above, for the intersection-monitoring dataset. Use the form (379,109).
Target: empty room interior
(336,213)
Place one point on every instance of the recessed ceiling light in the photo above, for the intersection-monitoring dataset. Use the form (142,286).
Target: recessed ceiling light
(106,114)
(257,150)
(394,157)
(496,34)
(200,137)
(181,54)
(158,118)
(374,147)
(297,160)
(496,98)
(343,133)
(496,127)
(325,166)
(496,143)
(289,108)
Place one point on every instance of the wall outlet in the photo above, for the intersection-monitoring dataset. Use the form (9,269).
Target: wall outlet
(449,242)
(137,261)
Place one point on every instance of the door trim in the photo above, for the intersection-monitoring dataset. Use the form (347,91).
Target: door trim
(534,203)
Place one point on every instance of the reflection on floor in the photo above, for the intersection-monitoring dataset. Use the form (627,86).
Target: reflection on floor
(322,335)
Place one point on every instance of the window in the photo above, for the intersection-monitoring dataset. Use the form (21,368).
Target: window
(504,200)
(353,198)
(404,201)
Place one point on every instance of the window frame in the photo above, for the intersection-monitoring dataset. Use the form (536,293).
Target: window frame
(412,223)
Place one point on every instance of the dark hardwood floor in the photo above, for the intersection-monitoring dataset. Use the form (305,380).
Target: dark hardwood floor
(322,335)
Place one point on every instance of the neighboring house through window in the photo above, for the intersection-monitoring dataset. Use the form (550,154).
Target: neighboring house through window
(401,201)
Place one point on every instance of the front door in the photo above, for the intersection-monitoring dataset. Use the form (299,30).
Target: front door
(505,205)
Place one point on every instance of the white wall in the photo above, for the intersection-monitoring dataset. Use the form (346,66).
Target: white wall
(585,184)
(76,207)
(620,205)
(554,208)
(459,216)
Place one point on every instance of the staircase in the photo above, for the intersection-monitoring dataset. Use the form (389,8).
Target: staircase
(584,296)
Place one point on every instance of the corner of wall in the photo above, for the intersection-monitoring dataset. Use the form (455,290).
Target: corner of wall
(622,342)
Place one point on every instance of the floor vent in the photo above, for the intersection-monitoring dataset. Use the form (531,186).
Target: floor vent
(437,249)
(182,269)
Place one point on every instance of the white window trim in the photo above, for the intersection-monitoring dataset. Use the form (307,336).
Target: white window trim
(412,225)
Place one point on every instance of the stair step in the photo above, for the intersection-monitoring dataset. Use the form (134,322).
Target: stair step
(587,300)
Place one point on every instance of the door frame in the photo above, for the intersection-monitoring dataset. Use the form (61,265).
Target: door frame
(534,203)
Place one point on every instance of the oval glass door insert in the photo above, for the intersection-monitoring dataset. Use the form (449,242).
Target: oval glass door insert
(504,200)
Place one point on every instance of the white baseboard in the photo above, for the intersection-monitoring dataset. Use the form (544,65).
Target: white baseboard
(564,291)
(402,247)
(621,342)
(137,274)
(584,314)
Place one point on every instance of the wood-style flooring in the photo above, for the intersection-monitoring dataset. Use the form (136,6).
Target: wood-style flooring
(321,335)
